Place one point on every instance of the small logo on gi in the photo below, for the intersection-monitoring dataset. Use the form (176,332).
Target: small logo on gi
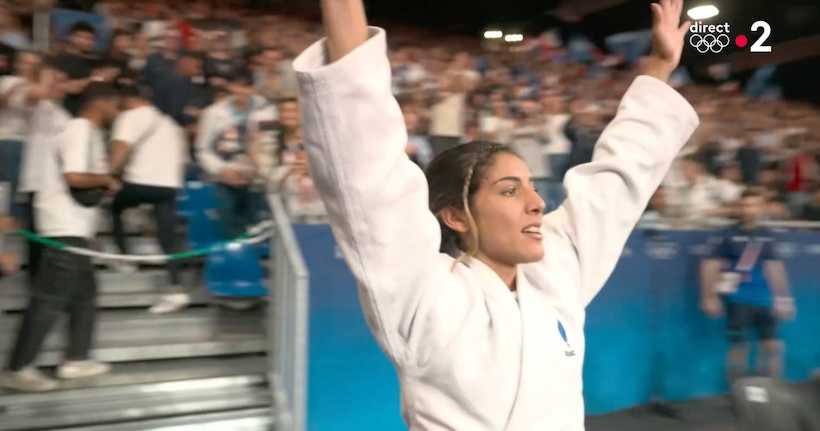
(569,352)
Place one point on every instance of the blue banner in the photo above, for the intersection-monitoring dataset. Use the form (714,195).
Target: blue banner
(645,322)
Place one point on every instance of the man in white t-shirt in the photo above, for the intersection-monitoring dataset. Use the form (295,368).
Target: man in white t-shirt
(66,281)
(150,154)
(46,119)
(13,113)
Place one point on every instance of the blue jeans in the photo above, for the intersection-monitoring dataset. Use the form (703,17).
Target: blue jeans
(239,208)
(10,156)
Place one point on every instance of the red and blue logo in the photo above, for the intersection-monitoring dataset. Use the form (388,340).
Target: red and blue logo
(569,352)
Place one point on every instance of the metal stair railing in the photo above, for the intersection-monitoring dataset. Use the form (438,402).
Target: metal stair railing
(287,323)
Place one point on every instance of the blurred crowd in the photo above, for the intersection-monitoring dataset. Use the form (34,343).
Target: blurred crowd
(452,89)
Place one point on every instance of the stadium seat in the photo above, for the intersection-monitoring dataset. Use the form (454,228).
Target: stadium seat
(198,206)
(202,229)
(193,172)
(195,196)
(234,271)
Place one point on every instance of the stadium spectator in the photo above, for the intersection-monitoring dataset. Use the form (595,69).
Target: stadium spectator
(223,138)
(746,272)
(66,281)
(80,66)
(149,151)
(46,119)
(176,94)
(162,63)
(14,91)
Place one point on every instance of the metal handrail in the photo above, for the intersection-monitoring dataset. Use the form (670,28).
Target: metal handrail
(713,222)
(288,322)
(5,208)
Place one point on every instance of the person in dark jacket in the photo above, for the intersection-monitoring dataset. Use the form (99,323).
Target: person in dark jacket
(174,92)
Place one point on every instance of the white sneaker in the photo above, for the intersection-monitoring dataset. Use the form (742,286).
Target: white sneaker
(29,380)
(82,369)
(170,303)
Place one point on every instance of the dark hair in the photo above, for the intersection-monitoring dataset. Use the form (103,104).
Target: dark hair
(187,53)
(454,176)
(287,99)
(98,91)
(135,91)
(752,191)
(82,27)
(242,75)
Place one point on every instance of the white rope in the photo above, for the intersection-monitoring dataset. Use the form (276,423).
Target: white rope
(258,233)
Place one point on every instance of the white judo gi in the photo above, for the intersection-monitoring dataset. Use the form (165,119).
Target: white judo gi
(468,356)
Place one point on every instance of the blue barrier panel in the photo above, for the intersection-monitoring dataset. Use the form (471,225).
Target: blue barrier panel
(354,387)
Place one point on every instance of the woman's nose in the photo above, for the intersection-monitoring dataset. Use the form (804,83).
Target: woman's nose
(535,203)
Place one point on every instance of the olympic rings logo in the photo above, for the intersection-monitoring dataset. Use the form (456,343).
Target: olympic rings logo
(709,42)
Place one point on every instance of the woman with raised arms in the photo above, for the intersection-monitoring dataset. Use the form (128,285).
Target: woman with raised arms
(475,295)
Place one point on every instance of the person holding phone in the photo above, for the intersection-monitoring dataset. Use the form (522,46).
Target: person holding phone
(223,149)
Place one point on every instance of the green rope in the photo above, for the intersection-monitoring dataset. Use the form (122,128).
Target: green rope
(31,236)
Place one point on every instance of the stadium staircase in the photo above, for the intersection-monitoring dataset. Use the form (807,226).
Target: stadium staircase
(204,368)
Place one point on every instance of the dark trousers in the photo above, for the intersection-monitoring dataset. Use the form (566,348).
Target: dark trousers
(65,284)
(164,203)
(35,249)
(10,157)
(239,208)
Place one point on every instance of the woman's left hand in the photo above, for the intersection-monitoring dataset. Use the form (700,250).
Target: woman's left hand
(668,37)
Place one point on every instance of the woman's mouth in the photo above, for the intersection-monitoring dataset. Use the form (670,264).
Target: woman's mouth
(533,231)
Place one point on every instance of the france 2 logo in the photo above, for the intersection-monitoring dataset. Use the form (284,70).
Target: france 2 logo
(714,38)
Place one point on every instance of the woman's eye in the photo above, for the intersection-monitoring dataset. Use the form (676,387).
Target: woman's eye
(509,192)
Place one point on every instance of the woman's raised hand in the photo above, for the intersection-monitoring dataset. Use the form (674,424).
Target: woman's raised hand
(345,26)
(668,37)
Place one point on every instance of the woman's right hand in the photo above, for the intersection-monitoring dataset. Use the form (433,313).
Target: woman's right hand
(668,38)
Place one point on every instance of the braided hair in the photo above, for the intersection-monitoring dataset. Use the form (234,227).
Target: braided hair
(454,176)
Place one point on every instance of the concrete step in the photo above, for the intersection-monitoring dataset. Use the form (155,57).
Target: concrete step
(141,327)
(110,282)
(164,346)
(110,300)
(258,419)
(108,406)
(141,373)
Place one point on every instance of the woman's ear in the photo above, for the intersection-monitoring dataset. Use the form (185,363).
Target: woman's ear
(455,219)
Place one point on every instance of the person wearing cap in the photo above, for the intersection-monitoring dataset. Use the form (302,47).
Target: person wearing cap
(222,149)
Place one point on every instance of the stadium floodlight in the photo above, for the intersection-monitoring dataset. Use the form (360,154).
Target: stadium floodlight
(703,12)
(514,37)
(493,34)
